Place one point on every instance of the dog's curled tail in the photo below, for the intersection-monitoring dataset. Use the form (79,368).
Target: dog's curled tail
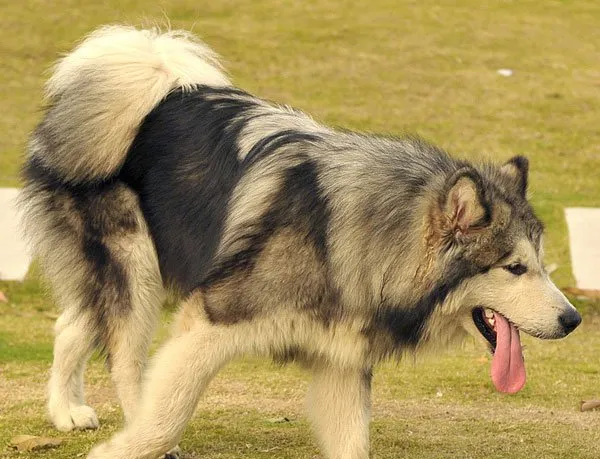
(101,92)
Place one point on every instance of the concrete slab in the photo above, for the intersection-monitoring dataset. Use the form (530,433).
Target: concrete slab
(584,239)
(14,256)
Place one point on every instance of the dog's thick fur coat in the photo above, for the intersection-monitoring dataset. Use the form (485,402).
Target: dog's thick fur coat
(286,238)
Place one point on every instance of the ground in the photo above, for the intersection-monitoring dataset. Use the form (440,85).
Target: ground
(379,66)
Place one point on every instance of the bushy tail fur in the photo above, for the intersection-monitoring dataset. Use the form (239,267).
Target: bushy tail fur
(100,93)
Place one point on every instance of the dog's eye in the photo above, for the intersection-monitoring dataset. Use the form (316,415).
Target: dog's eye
(516,268)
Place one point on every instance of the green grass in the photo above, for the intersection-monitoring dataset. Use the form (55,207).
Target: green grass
(383,66)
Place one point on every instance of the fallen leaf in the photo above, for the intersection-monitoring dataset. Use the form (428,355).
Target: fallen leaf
(279,420)
(33,443)
(589,405)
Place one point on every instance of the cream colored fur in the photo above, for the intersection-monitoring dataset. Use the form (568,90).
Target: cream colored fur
(132,335)
(339,407)
(531,301)
(183,368)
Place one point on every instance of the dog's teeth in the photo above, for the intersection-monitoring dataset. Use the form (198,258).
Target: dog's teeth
(489,317)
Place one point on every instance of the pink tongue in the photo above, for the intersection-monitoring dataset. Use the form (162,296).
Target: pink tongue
(508,367)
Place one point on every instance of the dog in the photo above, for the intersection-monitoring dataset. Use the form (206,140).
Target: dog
(285,238)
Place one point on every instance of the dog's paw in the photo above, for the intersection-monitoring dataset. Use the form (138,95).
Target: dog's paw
(75,417)
(175,453)
(84,417)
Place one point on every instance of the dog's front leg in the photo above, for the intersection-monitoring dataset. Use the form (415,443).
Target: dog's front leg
(339,405)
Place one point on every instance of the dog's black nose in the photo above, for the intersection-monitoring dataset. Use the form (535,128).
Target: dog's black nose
(570,320)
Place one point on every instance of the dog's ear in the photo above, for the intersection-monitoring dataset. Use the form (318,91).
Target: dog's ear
(466,208)
(517,169)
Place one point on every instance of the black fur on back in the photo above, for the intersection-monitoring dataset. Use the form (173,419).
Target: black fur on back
(184,165)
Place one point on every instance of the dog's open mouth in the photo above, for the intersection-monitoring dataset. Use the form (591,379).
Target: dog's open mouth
(486,324)
(508,366)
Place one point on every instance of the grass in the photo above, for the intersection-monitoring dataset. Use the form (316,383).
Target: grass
(381,66)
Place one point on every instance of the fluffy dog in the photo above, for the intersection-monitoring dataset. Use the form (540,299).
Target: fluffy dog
(286,238)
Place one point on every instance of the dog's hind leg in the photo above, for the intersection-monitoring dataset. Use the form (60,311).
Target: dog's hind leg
(339,409)
(131,332)
(117,308)
(73,344)
(127,354)
(97,255)
(180,372)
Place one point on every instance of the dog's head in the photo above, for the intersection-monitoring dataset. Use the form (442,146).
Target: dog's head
(488,230)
